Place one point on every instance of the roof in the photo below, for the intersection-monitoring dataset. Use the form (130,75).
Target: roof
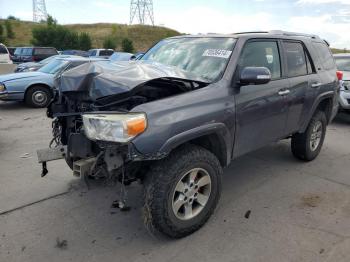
(273,33)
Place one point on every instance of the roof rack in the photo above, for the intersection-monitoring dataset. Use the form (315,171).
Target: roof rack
(251,32)
(280,32)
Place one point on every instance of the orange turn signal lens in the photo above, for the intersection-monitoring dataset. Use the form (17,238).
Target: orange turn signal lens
(136,126)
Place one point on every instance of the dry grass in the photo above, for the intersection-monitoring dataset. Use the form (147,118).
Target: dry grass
(143,36)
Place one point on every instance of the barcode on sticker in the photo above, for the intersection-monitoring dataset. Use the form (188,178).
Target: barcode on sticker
(217,53)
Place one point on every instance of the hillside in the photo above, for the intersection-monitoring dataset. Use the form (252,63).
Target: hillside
(143,36)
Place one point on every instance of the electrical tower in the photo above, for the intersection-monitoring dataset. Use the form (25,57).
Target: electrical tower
(143,10)
(39,10)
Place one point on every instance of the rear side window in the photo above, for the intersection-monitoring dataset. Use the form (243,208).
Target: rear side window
(325,56)
(261,54)
(3,50)
(296,59)
(27,51)
(45,51)
(92,52)
(18,51)
(106,52)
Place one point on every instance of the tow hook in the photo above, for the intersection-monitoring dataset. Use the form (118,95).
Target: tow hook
(44,169)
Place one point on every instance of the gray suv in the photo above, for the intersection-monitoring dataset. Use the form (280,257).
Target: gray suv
(191,105)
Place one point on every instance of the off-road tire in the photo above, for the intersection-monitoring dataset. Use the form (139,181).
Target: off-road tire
(41,92)
(300,143)
(160,183)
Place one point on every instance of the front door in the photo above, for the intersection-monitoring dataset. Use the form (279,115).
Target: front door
(261,110)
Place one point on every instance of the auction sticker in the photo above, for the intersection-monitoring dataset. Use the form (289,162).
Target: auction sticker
(217,53)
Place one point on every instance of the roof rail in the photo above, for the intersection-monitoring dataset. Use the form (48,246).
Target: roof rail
(280,32)
(251,32)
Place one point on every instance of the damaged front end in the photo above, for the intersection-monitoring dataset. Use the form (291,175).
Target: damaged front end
(94,121)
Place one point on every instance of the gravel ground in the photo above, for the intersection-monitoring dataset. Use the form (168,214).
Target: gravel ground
(273,207)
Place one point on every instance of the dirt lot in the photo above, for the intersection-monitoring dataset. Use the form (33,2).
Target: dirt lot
(273,207)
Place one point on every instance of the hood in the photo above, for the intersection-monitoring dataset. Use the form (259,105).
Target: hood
(29,64)
(105,78)
(20,76)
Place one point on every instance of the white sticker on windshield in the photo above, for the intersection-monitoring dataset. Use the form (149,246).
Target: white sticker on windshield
(217,53)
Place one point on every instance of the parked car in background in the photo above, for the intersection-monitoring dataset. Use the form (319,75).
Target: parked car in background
(101,53)
(75,52)
(121,56)
(11,51)
(35,88)
(34,66)
(5,57)
(343,64)
(33,54)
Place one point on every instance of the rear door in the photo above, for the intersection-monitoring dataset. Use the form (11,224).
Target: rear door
(303,81)
(43,53)
(261,110)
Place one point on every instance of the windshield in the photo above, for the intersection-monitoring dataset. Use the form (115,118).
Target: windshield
(204,57)
(54,66)
(47,60)
(343,63)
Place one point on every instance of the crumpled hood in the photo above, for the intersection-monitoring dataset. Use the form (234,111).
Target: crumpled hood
(20,76)
(102,78)
(29,64)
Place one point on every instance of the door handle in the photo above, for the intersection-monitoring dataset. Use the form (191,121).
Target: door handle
(283,92)
(316,85)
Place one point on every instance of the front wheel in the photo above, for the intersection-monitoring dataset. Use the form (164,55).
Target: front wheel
(306,146)
(182,191)
(38,96)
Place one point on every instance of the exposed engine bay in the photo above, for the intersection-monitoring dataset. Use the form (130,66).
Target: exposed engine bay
(79,94)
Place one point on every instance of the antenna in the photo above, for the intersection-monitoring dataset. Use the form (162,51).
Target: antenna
(143,10)
(39,10)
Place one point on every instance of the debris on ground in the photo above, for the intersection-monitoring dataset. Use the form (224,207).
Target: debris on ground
(25,155)
(23,248)
(311,200)
(322,250)
(62,244)
(93,241)
(121,205)
(26,118)
(247,214)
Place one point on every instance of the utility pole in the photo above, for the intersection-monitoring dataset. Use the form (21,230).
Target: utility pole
(142,10)
(39,11)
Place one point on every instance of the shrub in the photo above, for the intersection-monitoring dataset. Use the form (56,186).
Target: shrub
(127,45)
(9,30)
(109,43)
(85,41)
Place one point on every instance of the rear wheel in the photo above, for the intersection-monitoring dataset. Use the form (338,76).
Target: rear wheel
(38,96)
(182,191)
(306,146)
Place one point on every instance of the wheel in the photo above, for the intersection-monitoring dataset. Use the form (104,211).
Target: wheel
(38,96)
(182,191)
(306,146)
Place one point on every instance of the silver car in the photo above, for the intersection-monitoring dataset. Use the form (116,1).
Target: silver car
(343,64)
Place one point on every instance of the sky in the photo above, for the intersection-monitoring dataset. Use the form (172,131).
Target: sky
(330,19)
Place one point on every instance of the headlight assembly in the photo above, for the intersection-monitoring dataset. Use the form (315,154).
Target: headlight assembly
(2,87)
(114,127)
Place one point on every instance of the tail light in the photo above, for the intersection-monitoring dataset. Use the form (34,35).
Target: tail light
(340,75)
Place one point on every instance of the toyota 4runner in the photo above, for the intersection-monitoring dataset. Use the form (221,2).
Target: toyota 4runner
(175,118)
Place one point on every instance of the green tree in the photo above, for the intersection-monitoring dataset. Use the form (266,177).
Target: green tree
(85,41)
(127,45)
(11,17)
(9,30)
(109,43)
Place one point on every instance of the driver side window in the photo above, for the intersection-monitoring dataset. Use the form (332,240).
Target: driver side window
(261,54)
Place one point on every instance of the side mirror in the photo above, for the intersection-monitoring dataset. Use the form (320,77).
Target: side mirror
(255,76)
(133,57)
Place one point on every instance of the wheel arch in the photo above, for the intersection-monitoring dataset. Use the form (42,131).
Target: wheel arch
(214,137)
(37,85)
(324,102)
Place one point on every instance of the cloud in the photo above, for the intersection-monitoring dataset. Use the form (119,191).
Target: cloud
(205,20)
(316,2)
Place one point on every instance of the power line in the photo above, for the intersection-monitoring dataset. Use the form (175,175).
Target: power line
(39,10)
(142,11)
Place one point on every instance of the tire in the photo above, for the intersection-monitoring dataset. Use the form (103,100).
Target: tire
(303,146)
(162,183)
(38,96)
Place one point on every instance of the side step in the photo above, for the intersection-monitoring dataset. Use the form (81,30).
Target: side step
(82,167)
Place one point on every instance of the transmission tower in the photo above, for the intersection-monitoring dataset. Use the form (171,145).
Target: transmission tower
(143,10)
(39,10)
